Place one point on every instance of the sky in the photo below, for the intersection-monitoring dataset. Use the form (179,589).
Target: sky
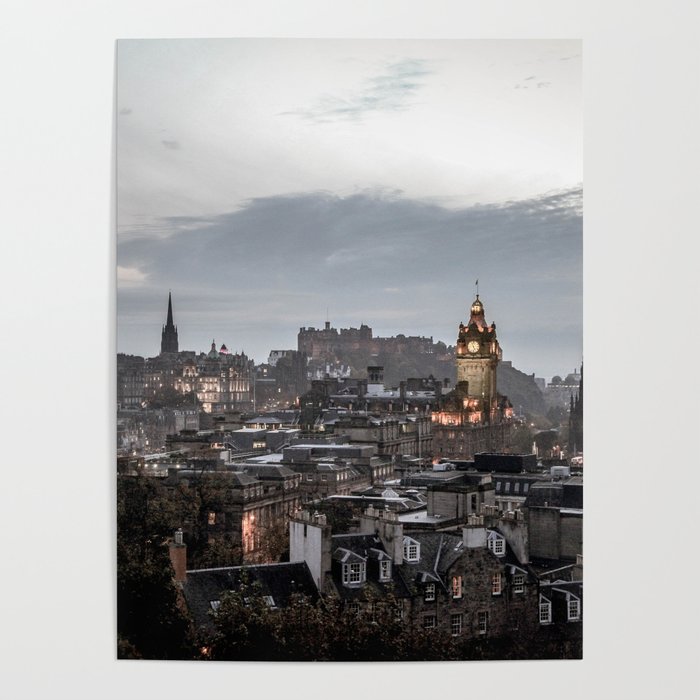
(273,184)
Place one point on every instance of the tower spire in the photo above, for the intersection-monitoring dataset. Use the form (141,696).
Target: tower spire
(169,321)
(168,341)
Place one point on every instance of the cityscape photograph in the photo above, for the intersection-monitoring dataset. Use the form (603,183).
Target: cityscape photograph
(349,365)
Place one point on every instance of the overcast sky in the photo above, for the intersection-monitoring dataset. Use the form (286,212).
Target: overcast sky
(271,184)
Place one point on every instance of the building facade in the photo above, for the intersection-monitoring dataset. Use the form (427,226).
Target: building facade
(473,417)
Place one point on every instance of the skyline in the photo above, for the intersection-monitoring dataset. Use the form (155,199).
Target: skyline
(366,182)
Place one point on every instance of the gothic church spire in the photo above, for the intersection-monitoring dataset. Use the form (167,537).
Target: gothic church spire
(168,341)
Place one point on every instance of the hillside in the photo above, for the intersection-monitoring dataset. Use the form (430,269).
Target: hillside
(519,387)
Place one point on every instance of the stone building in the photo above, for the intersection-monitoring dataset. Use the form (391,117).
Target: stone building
(220,380)
(242,506)
(469,585)
(473,417)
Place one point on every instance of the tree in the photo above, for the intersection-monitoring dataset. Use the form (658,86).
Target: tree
(246,628)
(150,621)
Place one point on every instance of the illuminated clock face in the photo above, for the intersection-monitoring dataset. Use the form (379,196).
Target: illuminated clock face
(473,346)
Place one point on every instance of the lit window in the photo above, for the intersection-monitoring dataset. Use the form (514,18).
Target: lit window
(496,584)
(456,586)
(518,583)
(482,622)
(211,518)
(574,609)
(456,625)
(429,622)
(545,611)
(430,591)
(384,570)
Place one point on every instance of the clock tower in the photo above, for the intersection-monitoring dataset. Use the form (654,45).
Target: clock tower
(478,355)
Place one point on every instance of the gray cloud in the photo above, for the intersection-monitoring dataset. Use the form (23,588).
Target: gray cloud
(251,277)
(171,145)
(391,91)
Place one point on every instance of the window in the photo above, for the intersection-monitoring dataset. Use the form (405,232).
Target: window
(526,486)
(517,487)
(411,549)
(324,477)
(496,584)
(385,570)
(429,591)
(456,625)
(482,621)
(211,519)
(456,586)
(215,604)
(398,610)
(518,583)
(353,573)
(574,609)
(429,622)
(497,545)
(309,477)
(545,611)
(354,608)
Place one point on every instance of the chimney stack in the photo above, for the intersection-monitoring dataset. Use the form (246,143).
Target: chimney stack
(178,557)
(310,541)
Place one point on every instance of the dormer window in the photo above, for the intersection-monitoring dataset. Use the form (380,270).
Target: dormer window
(518,583)
(411,549)
(496,543)
(385,570)
(354,573)
(545,610)
(573,608)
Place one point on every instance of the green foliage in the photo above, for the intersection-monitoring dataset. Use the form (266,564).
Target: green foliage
(339,514)
(150,621)
(247,629)
(167,397)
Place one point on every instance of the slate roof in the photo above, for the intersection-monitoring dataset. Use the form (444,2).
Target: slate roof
(567,494)
(365,546)
(277,580)
(438,551)
(268,471)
